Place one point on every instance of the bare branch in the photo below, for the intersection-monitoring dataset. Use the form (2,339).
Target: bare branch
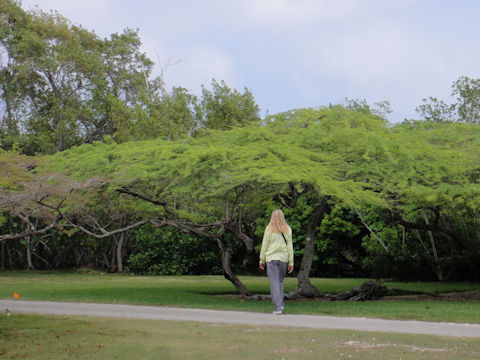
(106,233)
(202,230)
(148,199)
(371,231)
(31,230)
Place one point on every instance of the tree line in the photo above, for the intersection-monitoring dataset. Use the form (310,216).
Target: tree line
(63,86)
(102,166)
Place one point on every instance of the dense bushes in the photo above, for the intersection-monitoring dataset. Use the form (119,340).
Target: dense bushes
(167,251)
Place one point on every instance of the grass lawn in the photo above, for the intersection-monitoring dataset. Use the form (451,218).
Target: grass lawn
(214,292)
(57,337)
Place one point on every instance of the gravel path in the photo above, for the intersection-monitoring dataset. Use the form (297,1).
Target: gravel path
(237,317)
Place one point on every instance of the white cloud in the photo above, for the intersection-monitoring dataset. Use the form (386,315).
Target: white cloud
(385,58)
(199,65)
(91,14)
(286,13)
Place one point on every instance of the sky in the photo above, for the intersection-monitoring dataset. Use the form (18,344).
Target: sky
(299,53)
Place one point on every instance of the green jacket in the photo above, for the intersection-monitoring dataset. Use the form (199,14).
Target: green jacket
(275,248)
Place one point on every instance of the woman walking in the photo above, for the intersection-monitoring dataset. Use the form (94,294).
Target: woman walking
(277,253)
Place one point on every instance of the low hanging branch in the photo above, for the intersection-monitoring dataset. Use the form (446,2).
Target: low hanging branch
(185,227)
(370,230)
(436,227)
(31,203)
(24,215)
(201,230)
(174,220)
(105,233)
(31,230)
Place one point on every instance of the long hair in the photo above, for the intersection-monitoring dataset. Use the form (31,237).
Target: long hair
(277,222)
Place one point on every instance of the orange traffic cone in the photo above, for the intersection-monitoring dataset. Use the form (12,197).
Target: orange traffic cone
(16,295)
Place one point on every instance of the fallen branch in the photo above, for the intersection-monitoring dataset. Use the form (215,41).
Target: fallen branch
(369,290)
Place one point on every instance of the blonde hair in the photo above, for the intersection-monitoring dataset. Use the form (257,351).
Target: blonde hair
(277,222)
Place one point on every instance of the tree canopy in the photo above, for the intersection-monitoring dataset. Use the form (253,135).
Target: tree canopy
(418,175)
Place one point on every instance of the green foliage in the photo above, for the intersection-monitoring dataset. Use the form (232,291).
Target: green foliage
(14,170)
(380,109)
(167,251)
(403,258)
(338,244)
(63,86)
(224,108)
(466,109)
(50,70)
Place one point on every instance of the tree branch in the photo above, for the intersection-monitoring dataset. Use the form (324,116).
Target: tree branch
(202,230)
(30,230)
(27,232)
(146,198)
(371,231)
(247,240)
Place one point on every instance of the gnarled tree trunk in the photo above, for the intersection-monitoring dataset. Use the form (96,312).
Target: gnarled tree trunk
(29,253)
(226,255)
(304,287)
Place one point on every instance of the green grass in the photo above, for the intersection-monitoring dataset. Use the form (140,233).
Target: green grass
(214,292)
(36,337)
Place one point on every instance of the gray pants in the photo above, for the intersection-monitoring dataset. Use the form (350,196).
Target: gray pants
(276,271)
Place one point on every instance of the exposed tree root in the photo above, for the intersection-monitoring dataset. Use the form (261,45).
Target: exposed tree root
(369,290)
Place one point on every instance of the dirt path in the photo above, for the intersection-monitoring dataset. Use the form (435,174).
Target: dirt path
(237,317)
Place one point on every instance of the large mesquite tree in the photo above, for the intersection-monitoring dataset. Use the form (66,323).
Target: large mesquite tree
(420,177)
